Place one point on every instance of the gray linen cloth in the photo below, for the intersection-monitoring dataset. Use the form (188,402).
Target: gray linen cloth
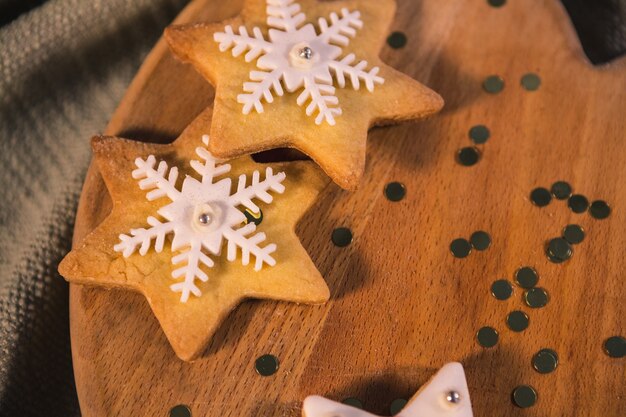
(64,67)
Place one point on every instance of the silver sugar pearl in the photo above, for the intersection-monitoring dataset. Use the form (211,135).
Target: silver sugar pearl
(204,218)
(453,397)
(306,53)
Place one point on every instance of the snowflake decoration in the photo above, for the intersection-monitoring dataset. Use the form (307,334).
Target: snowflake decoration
(200,216)
(445,395)
(300,58)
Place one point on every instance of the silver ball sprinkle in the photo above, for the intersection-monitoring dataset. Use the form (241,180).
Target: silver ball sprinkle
(306,53)
(453,397)
(204,218)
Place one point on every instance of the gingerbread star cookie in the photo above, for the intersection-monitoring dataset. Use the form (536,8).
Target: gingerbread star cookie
(304,75)
(178,233)
(445,395)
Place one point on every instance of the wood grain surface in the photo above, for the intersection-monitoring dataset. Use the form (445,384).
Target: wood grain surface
(401,305)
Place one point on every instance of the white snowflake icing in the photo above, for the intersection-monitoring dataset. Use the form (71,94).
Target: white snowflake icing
(299,57)
(445,395)
(201,215)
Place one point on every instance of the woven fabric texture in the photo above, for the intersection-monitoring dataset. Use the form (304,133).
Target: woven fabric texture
(64,67)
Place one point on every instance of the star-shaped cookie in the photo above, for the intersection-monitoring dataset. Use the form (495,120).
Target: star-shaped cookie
(161,213)
(445,395)
(304,75)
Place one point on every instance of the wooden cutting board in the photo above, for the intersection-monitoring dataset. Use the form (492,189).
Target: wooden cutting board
(401,305)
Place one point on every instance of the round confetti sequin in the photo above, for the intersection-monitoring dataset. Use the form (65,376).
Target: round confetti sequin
(341,237)
(180,410)
(480,240)
(559,249)
(536,297)
(524,396)
(460,248)
(517,321)
(540,197)
(496,3)
(599,210)
(266,365)
(252,217)
(526,277)
(531,82)
(487,337)
(561,190)
(395,191)
(353,402)
(479,134)
(615,347)
(493,84)
(578,203)
(545,361)
(501,289)
(573,233)
(397,405)
(397,40)
(553,258)
(468,156)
